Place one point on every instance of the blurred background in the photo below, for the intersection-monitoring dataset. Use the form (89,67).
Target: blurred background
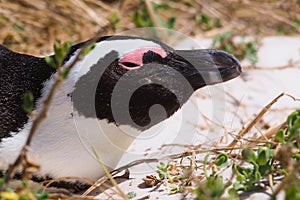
(32,26)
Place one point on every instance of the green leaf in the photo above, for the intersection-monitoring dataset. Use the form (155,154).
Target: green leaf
(142,18)
(220,38)
(1,181)
(235,169)
(170,23)
(297,156)
(28,102)
(238,186)
(175,189)
(293,122)
(204,165)
(256,176)
(161,175)
(61,51)
(251,51)
(263,156)
(232,193)
(218,23)
(280,136)
(221,160)
(205,19)
(199,193)
(88,49)
(131,195)
(42,196)
(157,6)
(163,167)
(249,155)
(297,22)
(50,61)
(163,170)
(265,169)
(114,20)
(229,47)
(64,73)
(216,185)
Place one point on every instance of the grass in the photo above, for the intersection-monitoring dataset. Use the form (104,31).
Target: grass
(32,26)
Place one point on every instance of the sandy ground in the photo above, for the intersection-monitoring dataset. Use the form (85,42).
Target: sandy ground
(230,106)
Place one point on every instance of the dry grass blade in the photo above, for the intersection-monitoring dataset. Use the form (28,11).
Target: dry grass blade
(274,15)
(90,12)
(269,133)
(152,13)
(253,122)
(109,176)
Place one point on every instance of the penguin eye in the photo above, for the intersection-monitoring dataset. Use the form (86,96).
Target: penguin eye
(129,64)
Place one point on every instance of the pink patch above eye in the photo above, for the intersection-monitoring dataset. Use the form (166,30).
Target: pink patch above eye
(135,58)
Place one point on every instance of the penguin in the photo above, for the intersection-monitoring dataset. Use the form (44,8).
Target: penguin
(107,100)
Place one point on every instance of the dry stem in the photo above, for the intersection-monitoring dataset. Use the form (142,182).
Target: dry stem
(253,122)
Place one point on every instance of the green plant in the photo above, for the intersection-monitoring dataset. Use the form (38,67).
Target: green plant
(61,51)
(206,23)
(164,172)
(288,155)
(23,192)
(131,195)
(28,102)
(241,50)
(175,175)
(260,166)
(115,20)
(143,18)
(292,131)
(213,187)
(265,161)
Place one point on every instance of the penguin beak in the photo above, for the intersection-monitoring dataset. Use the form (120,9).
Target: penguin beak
(210,66)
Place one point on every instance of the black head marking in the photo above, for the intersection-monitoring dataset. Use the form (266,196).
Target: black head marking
(150,57)
(86,87)
(97,94)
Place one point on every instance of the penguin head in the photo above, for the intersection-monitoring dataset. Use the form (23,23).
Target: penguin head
(140,82)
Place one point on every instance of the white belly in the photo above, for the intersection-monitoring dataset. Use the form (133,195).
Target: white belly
(70,145)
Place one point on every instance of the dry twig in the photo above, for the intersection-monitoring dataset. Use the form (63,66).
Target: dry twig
(253,122)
